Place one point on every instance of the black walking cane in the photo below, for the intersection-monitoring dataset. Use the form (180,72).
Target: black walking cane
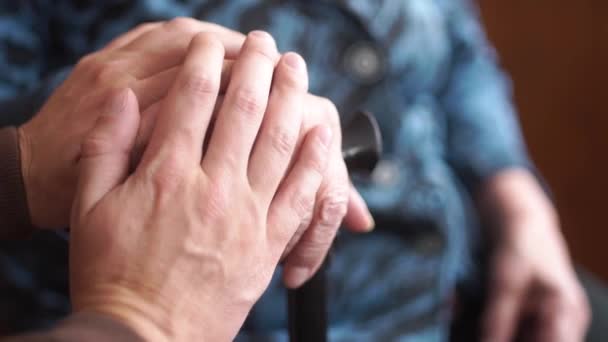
(307,310)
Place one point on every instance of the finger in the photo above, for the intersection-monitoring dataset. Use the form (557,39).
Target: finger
(294,201)
(321,110)
(505,303)
(104,162)
(154,88)
(146,126)
(147,123)
(331,204)
(277,139)
(501,318)
(240,117)
(556,324)
(131,35)
(358,217)
(562,316)
(185,113)
(166,46)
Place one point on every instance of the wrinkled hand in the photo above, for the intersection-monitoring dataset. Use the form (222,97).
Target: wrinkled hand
(534,293)
(337,200)
(182,248)
(145,59)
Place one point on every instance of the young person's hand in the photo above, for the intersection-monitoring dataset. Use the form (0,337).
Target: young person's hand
(337,201)
(182,248)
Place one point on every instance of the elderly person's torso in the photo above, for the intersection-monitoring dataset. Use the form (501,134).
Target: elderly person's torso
(415,64)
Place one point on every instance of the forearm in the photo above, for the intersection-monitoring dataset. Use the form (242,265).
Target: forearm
(14,213)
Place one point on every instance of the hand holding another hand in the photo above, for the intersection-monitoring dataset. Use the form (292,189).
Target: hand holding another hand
(183,247)
(146,60)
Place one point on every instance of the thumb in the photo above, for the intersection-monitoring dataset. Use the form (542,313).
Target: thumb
(104,162)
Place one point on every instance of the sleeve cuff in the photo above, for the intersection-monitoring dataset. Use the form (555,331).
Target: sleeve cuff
(14,213)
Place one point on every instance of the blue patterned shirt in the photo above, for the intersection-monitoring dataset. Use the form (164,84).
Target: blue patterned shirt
(423,67)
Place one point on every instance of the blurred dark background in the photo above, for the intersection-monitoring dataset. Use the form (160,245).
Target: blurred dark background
(556,52)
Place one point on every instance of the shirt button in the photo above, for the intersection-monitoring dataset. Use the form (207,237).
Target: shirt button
(364,61)
(386,173)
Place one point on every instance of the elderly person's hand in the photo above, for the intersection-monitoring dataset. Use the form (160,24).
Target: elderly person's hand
(337,200)
(182,248)
(147,59)
(532,279)
(144,59)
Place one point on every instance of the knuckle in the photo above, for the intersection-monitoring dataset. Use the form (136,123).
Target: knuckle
(199,84)
(86,61)
(247,101)
(145,26)
(95,145)
(169,176)
(333,208)
(282,141)
(302,205)
(166,179)
(104,72)
(181,24)
(207,40)
(291,79)
(89,64)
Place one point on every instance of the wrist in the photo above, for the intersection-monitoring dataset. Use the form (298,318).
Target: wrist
(144,319)
(513,200)
(139,325)
(154,320)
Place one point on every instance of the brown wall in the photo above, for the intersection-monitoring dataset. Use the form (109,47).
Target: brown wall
(557,54)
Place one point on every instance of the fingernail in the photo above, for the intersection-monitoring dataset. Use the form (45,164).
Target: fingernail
(295,61)
(261,34)
(371,223)
(296,276)
(325,136)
